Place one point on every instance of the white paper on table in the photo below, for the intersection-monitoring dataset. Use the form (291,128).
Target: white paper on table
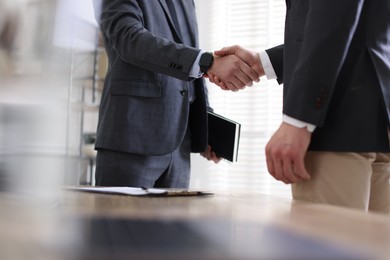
(135,191)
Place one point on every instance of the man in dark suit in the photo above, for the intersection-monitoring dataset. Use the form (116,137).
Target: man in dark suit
(154,103)
(335,66)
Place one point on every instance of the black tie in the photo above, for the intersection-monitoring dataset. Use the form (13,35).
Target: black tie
(172,10)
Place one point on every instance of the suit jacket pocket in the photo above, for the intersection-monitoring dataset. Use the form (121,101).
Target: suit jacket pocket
(136,88)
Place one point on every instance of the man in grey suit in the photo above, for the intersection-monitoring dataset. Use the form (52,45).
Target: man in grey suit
(153,111)
(335,66)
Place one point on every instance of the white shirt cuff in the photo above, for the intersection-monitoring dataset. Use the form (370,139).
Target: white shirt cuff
(195,69)
(267,66)
(297,123)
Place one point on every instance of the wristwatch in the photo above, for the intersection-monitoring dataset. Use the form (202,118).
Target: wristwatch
(206,61)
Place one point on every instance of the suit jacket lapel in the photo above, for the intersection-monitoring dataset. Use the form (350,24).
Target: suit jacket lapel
(189,12)
(168,15)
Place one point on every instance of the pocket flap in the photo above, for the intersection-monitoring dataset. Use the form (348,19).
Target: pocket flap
(136,88)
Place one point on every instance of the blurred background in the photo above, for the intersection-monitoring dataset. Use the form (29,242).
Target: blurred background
(48,87)
(49,91)
(32,101)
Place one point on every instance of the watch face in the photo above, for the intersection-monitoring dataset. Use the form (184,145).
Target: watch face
(206,61)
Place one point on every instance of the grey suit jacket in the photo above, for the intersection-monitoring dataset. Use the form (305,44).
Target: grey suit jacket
(145,107)
(335,66)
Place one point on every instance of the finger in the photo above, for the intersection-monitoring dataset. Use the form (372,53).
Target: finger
(279,173)
(242,80)
(223,86)
(208,75)
(289,172)
(214,157)
(250,72)
(238,81)
(246,75)
(212,80)
(300,170)
(270,166)
(232,86)
(206,154)
(211,156)
(217,80)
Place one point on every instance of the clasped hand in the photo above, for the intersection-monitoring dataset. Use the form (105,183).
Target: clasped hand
(235,67)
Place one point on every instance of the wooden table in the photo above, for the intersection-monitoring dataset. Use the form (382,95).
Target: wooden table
(231,226)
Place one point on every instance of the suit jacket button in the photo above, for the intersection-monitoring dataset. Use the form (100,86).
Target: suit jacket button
(183,92)
(318,103)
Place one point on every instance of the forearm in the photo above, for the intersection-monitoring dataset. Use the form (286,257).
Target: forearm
(122,23)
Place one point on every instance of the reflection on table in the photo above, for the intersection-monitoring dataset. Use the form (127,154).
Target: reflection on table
(83,225)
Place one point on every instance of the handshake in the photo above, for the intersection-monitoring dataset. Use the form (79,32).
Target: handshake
(234,68)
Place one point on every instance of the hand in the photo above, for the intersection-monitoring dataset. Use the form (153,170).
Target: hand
(251,58)
(210,155)
(285,153)
(233,72)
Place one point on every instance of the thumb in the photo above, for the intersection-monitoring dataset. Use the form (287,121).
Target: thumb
(300,170)
(226,51)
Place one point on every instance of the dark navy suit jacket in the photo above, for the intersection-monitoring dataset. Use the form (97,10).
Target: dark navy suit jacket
(335,66)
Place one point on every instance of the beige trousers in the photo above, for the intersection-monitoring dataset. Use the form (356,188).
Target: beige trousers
(354,180)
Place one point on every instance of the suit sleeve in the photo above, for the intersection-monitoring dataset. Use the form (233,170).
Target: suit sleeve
(327,34)
(122,23)
(275,55)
